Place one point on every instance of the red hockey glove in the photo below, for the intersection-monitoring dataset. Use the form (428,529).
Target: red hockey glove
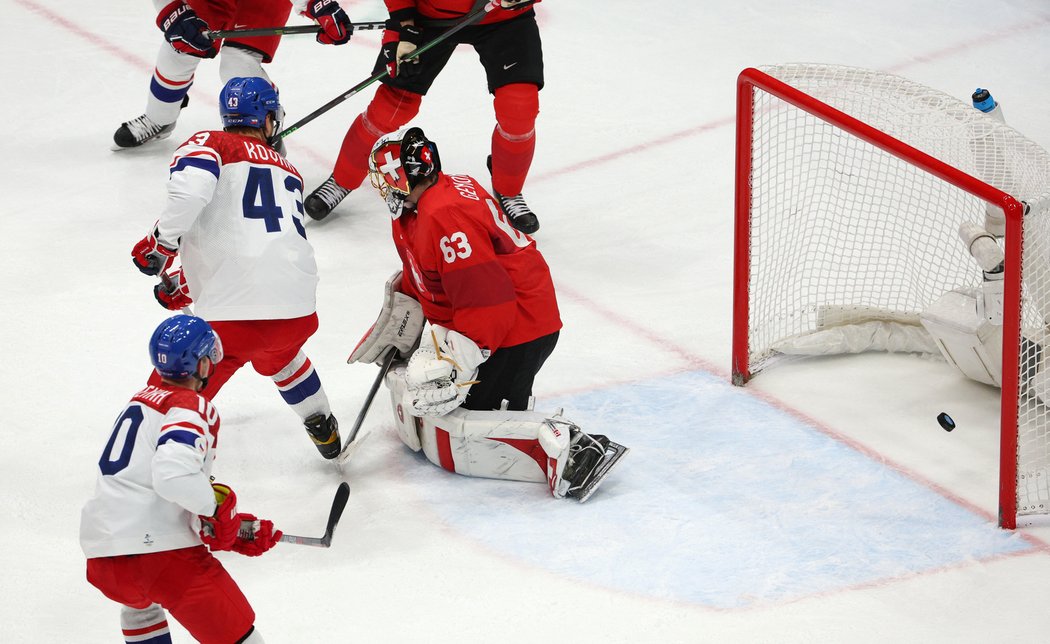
(184,30)
(219,531)
(173,292)
(515,5)
(150,257)
(255,537)
(335,24)
(399,41)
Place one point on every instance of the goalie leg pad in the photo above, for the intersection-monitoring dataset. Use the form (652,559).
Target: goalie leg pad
(508,445)
(967,341)
(406,424)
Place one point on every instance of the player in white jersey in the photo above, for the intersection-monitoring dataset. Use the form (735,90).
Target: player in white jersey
(185,24)
(234,216)
(142,529)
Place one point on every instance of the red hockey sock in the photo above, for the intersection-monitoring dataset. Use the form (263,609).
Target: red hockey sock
(389,110)
(514,138)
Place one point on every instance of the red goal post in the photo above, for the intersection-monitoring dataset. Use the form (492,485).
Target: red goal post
(851,185)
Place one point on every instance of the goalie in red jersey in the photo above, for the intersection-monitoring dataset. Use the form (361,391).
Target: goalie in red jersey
(507,41)
(464,397)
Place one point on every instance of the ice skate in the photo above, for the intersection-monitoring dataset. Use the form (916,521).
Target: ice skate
(324,432)
(137,131)
(325,198)
(592,456)
(517,211)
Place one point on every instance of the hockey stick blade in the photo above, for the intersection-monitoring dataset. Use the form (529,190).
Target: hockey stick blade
(342,494)
(618,452)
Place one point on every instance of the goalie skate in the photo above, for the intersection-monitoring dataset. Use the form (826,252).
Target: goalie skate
(591,464)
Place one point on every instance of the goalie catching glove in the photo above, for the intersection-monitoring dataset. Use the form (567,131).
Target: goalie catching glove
(440,372)
(398,327)
(240,532)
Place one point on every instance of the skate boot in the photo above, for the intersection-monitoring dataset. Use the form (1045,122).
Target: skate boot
(325,198)
(324,432)
(517,211)
(139,130)
(591,456)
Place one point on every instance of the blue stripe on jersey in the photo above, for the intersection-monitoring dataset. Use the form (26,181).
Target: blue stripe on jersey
(197,162)
(166,94)
(297,394)
(179,436)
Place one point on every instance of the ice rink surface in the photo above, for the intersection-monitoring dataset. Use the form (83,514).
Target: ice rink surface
(821,503)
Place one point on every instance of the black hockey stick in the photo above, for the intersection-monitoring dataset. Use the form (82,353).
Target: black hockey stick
(287,30)
(468,20)
(324,541)
(344,454)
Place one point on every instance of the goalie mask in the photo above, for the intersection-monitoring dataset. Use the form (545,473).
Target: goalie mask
(399,161)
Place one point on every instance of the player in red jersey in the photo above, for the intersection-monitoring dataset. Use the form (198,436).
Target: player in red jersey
(464,398)
(234,217)
(142,530)
(185,23)
(482,284)
(508,43)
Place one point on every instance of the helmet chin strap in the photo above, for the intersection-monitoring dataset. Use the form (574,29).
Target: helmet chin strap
(203,378)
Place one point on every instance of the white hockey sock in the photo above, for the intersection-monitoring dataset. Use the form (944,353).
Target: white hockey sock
(141,625)
(300,386)
(172,79)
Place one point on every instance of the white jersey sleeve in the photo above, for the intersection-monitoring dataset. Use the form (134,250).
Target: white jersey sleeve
(193,175)
(153,476)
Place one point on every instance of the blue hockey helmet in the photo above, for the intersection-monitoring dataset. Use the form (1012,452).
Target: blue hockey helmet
(178,345)
(245,102)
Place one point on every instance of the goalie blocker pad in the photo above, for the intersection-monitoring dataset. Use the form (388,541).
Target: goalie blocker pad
(398,327)
(509,445)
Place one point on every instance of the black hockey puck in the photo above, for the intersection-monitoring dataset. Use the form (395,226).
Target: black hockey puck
(946,422)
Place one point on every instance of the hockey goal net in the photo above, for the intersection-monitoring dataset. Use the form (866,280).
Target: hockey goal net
(851,188)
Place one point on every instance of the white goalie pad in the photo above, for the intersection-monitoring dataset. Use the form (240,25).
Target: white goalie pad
(967,340)
(510,445)
(398,327)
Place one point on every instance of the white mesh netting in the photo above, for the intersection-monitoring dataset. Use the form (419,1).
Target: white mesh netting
(843,233)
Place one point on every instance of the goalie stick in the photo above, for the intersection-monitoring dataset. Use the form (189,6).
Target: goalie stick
(468,20)
(325,540)
(287,30)
(350,445)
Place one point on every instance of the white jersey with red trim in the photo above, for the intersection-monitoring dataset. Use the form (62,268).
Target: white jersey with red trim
(235,212)
(153,476)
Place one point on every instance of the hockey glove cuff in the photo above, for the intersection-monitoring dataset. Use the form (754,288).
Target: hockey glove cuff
(219,531)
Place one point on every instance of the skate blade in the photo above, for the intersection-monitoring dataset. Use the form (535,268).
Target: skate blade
(350,448)
(618,452)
